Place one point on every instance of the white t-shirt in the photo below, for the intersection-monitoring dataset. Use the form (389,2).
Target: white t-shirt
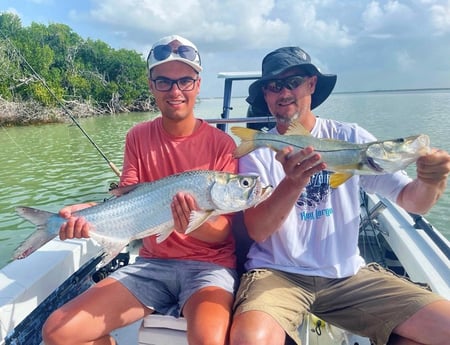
(320,234)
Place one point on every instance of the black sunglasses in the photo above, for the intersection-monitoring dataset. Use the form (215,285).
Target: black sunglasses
(290,83)
(162,52)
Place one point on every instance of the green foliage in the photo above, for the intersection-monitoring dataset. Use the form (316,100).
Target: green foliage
(73,68)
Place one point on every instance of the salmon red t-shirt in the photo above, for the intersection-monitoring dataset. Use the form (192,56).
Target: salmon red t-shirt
(151,153)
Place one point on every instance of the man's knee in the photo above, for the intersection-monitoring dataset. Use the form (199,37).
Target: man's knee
(53,330)
(255,327)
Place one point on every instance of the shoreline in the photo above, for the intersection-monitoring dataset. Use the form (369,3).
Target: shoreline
(30,113)
(431,89)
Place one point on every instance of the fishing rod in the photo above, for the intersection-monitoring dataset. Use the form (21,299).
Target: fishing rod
(62,105)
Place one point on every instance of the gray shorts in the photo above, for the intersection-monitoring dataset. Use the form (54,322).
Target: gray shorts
(371,303)
(165,285)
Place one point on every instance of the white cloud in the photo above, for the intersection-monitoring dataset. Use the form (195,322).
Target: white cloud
(211,21)
(252,23)
(312,28)
(392,18)
(440,17)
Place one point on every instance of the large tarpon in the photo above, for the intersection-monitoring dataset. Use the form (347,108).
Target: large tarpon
(144,209)
(343,158)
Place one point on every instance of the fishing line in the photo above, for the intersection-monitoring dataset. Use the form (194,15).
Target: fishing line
(62,105)
(17,144)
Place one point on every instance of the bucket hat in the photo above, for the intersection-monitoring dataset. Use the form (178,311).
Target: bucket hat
(279,61)
(174,48)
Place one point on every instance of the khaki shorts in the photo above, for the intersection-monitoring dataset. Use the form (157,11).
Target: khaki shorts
(371,303)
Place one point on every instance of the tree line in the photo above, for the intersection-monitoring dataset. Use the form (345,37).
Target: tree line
(85,76)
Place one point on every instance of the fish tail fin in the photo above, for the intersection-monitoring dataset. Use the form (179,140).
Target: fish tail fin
(38,238)
(247,136)
(34,215)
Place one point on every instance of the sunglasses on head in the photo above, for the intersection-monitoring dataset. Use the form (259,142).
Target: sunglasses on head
(162,52)
(290,83)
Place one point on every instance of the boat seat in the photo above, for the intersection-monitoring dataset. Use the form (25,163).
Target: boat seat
(162,329)
(165,321)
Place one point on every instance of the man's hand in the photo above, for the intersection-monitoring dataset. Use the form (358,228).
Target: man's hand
(300,166)
(434,167)
(75,227)
(182,206)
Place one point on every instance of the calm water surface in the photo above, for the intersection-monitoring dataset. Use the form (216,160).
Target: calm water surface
(53,165)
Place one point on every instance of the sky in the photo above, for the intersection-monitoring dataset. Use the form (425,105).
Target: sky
(370,45)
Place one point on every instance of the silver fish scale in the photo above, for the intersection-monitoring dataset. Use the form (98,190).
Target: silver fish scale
(334,152)
(148,206)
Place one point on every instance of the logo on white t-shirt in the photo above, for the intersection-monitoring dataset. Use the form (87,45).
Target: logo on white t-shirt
(316,191)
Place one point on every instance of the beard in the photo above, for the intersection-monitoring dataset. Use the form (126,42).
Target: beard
(285,121)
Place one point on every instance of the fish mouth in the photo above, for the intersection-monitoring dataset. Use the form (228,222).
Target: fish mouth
(264,192)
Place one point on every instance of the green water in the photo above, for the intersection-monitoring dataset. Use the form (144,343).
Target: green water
(54,165)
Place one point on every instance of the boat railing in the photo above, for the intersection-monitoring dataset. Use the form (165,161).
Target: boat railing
(241,119)
(421,224)
(230,77)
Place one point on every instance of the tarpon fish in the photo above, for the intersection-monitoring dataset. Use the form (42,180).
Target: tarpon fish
(144,209)
(343,158)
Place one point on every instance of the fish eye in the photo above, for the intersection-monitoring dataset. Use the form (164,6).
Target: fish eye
(246,182)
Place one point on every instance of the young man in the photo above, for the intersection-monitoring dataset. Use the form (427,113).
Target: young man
(299,265)
(191,275)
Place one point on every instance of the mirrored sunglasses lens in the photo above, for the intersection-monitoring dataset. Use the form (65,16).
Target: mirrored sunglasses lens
(162,52)
(274,86)
(294,82)
(187,52)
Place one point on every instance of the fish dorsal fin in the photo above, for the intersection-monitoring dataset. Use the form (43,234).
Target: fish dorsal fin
(296,128)
(337,179)
(124,190)
(247,136)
